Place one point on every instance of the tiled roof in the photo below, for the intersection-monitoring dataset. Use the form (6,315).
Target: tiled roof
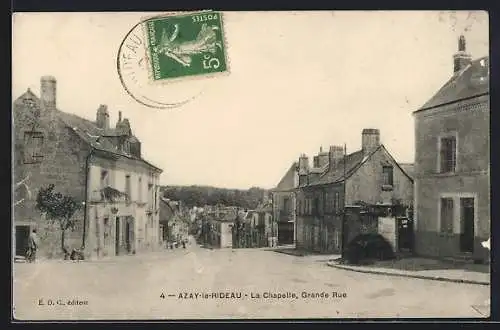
(473,80)
(89,132)
(408,168)
(287,181)
(320,170)
(336,174)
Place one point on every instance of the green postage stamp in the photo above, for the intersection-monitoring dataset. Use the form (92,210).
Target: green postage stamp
(185,45)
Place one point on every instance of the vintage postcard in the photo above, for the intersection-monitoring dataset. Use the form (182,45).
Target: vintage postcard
(250,165)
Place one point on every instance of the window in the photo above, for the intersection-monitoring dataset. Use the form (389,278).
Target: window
(328,203)
(448,154)
(155,197)
(33,142)
(315,210)
(139,189)
(150,195)
(300,207)
(337,201)
(446,215)
(387,173)
(127,187)
(104,179)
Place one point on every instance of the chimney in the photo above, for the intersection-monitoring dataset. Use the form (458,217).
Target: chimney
(102,117)
(461,59)
(336,154)
(370,140)
(303,164)
(119,117)
(322,158)
(48,92)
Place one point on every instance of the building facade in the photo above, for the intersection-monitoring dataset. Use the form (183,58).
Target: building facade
(99,166)
(174,220)
(452,163)
(341,190)
(284,205)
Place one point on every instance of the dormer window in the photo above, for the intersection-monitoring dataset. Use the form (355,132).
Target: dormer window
(29,102)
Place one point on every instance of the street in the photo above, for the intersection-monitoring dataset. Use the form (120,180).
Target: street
(182,284)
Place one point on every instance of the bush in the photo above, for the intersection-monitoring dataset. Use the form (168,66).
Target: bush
(77,255)
(368,247)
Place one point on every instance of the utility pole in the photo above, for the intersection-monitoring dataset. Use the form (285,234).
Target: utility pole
(344,204)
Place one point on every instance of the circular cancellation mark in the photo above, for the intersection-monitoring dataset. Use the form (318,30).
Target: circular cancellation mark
(132,67)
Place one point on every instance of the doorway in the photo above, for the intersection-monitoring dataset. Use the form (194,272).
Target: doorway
(467,225)
(127,236)
(117,236)
(21,242)
(405,234)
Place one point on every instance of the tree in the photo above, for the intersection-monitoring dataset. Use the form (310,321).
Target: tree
(22,186)
(58,209)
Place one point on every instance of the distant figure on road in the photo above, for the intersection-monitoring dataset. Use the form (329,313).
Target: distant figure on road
(183,244)
(32,246)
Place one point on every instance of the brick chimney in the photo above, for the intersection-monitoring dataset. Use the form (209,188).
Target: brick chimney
(303,164)
(461,59)
(336,154)
(102,117)
(322,158)
(370,140)
(48,92)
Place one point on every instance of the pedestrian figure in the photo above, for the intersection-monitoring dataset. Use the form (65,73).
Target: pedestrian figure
(32,246)
(183,244)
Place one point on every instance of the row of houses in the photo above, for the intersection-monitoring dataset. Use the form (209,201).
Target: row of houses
(231,227)
(444,195)
(100,166)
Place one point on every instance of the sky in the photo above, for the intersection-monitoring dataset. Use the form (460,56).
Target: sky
(297,81)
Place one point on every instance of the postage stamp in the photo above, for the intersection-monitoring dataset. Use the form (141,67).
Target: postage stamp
(185,45)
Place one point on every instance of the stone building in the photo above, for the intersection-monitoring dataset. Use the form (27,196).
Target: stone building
(452,163)
(174,220)
(267,228)
(98,165)
(350,185)
(284,205)
(218,227)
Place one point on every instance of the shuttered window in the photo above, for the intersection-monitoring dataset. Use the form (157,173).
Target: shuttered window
(33,143)
(447,215)
(448,154)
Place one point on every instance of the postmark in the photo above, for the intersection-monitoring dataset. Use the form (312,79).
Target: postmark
(185,45)
(135,70)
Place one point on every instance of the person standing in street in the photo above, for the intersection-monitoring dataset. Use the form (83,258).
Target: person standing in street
(32,246)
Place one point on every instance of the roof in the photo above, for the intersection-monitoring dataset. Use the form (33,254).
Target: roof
(353,162)
(336,174)
(90,133)
(287,182)
(408,168)
(471,81)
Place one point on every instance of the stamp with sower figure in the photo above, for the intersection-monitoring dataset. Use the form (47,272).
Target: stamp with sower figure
(185,45)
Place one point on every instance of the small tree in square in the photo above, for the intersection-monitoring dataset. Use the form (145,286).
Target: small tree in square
(58,209)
